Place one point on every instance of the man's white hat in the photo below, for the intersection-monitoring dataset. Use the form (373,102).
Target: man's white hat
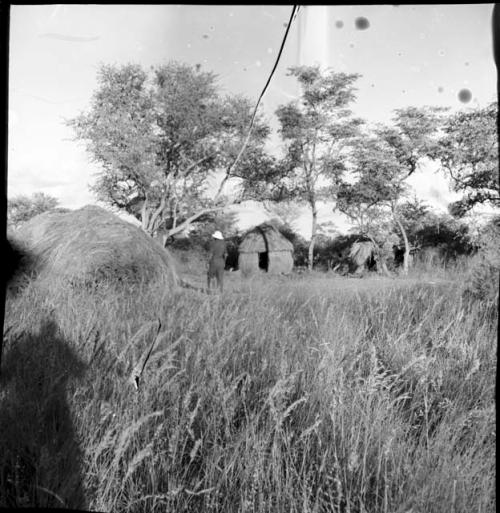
(217,235)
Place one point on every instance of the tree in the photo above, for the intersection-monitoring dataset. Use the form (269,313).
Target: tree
(412,138)
(166,143)
(22,208)
(468,153)
(191,247)
(285,212)
(425,228)
(316,132)
(414,217)
(374,188)
(225,222)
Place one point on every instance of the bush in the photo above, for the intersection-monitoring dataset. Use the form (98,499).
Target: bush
(482,281)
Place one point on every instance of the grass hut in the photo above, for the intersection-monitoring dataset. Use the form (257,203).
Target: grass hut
(90,245)
(362,255)
(264,248)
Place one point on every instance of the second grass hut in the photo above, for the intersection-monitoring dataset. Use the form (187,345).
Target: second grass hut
(264,248)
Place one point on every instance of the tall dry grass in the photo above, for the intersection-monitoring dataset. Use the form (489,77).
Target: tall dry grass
(303,395)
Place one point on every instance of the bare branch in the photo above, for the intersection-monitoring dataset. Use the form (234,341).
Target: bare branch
(157,213)
(193,218)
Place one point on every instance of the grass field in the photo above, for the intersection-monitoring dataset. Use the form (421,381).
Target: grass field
(290,394)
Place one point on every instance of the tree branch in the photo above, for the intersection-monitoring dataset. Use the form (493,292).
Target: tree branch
(195,164)
(145,215)
(221,186)
(156,213)
(193,218)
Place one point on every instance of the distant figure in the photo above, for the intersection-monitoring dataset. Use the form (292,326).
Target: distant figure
(218,254)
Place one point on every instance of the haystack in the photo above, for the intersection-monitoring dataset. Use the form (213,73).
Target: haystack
(362,254)
(90,245)
(265,248)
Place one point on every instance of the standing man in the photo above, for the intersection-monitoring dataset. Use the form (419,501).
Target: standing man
(218,254)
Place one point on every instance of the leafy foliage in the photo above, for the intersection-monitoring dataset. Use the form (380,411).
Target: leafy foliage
(414,213)
(163,139)
(333,252)
(223,221)
(374,185)
(381,164)
(413,135)
(316,132)
(426,228)
(22,208)
(285,212)
(468,153)
(482,281)
(195,246)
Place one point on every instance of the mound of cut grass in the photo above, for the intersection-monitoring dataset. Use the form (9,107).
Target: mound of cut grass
(92,245)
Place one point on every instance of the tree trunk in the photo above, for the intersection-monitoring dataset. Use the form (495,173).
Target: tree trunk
(145,216)
(406,258)
(313,235)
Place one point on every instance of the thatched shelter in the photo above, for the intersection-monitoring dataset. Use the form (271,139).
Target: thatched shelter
(90,245)
(264,248)
(362,255)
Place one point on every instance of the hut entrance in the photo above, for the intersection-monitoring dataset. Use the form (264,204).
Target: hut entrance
(264,260)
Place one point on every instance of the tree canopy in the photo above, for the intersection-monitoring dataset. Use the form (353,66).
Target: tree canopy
(468,153)
(316,131)
(165,142)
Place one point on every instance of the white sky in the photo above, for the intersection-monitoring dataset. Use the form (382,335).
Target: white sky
(409,55)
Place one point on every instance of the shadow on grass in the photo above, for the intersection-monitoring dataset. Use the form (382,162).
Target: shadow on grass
(40,460)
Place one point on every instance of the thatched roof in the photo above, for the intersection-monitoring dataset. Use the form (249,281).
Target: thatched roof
(92,244)
(264,237)
(361,252)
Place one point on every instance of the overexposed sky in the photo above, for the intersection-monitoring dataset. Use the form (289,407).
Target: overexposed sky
(407,55)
